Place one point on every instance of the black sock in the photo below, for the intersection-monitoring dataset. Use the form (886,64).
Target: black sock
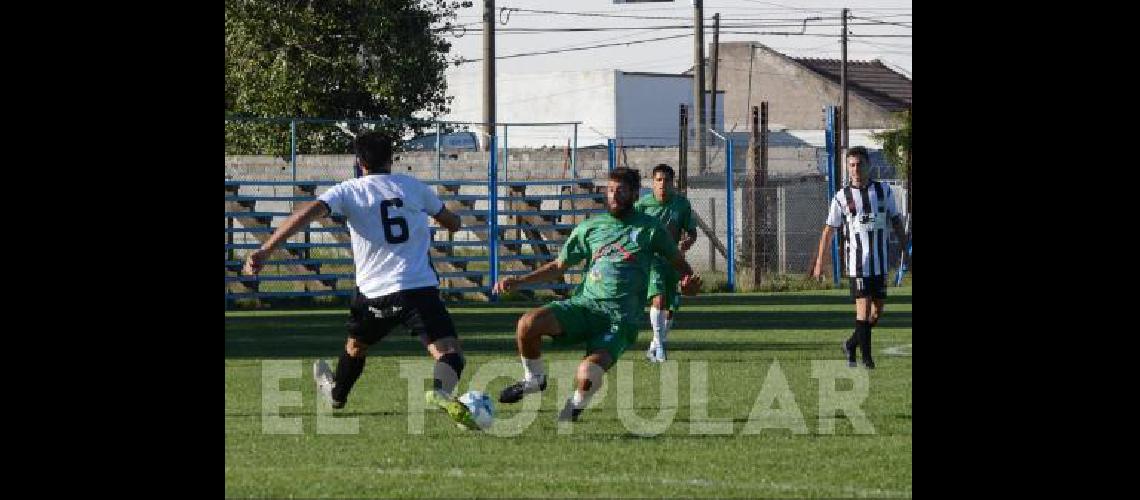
(864,337)
(448,369)
(348,369)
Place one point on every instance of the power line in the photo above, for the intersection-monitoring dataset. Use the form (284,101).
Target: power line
(811,34)
(889,45)
(588,14)
(559,51)
(533,12)
(665,27)
(877,21)
(891,15)
(786,6)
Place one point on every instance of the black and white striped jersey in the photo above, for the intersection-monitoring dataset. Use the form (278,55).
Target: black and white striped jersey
(866,215)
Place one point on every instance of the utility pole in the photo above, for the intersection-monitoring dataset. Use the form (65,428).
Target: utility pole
(715,61)
(699,80)
(843,83)
(488,70)
(683,151)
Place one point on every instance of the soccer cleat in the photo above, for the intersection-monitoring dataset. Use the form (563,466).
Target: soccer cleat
(849,351)
(661,353)
(569,413)
(514,392)
(458,412)
(651,354)
(323,376)
(868,361)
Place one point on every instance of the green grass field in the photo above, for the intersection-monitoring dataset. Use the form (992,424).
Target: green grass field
(734,339)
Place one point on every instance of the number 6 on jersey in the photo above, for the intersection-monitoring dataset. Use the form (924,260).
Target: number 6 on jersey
(400,222)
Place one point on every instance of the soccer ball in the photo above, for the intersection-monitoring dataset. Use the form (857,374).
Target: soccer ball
(482,409)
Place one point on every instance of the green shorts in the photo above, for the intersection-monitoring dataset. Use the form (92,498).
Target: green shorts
(587,321)
(664,279)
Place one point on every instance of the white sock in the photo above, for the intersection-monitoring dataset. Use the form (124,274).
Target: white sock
(533,370)
(658,320)
(580,399)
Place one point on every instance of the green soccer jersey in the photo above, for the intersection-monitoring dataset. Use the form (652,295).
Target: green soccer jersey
(619,253)
(675,214)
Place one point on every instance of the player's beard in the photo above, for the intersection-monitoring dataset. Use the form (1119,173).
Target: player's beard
(620,213)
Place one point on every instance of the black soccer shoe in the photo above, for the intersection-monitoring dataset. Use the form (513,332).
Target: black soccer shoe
(569,413)
(514,392)
(849,351)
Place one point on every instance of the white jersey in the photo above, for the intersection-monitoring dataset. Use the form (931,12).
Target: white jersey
(866,216)
(388,220)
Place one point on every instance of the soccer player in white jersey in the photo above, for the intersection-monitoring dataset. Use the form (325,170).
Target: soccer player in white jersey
(864,209)
(395,281)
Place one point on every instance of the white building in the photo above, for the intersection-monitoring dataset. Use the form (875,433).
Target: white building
(634,108)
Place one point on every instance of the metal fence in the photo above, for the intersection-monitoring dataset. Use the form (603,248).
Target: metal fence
(520,203)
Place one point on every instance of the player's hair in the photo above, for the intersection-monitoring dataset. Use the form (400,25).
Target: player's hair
(661,167)
(628,176)
(860,151)
(375,148)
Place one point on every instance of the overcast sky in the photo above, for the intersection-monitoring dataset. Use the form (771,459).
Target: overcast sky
(821,39)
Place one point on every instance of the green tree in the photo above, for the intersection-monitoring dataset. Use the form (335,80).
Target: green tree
(896,143)
(344,59)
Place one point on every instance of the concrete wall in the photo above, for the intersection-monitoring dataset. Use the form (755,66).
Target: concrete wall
(519,164)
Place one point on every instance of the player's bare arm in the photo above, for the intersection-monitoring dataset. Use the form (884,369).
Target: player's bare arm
(300,218)
(687,240)
(550,271)
(447,219)
(824,240)
(690,281)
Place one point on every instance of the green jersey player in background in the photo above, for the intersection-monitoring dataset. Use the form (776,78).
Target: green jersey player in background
(672,209)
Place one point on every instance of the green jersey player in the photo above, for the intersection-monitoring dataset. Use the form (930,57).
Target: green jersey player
(619,247)
(672,209)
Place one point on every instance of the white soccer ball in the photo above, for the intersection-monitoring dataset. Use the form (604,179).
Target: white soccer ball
(482,409)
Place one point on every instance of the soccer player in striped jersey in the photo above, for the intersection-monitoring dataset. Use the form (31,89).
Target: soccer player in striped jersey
(864,209)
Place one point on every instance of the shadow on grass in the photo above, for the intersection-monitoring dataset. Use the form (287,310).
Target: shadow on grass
(486,331)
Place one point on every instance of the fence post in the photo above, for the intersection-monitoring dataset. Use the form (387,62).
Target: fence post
(753,207)
(574,154)
(765,195)
(832,186)
(611,147)
(782,227)
(712,222)
(493,217)
(438,152)
(506,157)
(293,150)
(731,256)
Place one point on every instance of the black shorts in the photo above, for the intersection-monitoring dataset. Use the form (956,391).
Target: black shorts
(418,309)
(874,287)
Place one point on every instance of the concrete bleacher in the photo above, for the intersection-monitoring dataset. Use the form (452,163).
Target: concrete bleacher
(534,217)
